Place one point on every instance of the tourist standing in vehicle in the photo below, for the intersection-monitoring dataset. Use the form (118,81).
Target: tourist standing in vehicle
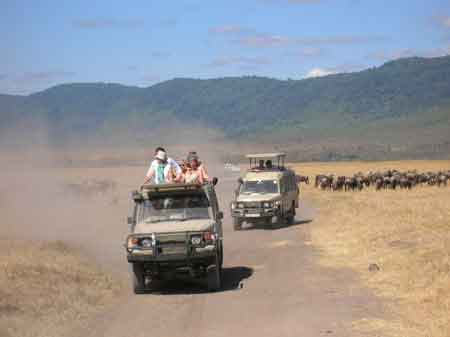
(196,171)
(163,169)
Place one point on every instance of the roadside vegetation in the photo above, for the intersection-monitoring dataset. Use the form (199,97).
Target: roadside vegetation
(396,241)
(49,289)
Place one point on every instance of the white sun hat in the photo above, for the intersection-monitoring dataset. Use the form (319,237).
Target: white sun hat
(161,155)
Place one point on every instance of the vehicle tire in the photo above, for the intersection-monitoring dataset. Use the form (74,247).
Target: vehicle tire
(214,275)
(237,224)
(290,219)
(138,278)
(274,223)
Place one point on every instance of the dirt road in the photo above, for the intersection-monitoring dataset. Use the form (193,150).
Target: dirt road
(272,287)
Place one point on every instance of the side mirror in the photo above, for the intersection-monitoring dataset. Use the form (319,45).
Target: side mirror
(137,197)
(220,215)
(215,180)
(240,181)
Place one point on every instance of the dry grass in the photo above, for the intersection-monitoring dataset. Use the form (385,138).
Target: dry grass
(406,233)
(47,289)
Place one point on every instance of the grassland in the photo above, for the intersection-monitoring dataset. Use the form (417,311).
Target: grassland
(405,233)
(48,289)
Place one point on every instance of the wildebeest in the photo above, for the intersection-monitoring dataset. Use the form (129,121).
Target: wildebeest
(389,179)
(302,179)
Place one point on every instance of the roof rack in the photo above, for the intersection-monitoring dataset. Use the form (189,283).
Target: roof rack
(266,155)
(265,161)
(170,187)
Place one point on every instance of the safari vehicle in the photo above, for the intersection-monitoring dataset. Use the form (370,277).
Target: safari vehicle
(268,192)
(175,229)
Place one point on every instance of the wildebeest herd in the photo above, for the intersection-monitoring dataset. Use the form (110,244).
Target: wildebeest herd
(390,179)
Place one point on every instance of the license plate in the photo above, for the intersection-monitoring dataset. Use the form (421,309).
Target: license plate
(253,215)
(173,250)
(143,252)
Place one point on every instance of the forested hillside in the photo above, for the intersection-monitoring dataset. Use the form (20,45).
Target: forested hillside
(412,89)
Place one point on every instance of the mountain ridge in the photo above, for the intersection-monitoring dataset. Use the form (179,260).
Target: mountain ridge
(416,89)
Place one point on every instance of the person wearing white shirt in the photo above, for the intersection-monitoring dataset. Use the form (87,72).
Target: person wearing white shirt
(163,169)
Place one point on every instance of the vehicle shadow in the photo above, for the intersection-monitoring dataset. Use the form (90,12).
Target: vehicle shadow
(232,278)
(276,226)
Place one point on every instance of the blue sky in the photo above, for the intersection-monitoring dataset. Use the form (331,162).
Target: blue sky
(44,43)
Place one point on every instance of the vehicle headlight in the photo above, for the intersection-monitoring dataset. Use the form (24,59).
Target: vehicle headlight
(209,236)
(132,242)
(267,205)
(140,242)
(146,243)
(278,203)
(240,205)
(196,240)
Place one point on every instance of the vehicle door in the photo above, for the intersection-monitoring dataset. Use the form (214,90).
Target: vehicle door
(214,204)
(296,190)
(292,194)
(284,189)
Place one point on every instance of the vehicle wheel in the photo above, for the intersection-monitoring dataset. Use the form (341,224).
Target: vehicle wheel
(237,224)
(138,278)
(275,222)
(290,220)
(291,217)
(214,276)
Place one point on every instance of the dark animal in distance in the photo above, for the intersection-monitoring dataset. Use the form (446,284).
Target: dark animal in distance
(387,180)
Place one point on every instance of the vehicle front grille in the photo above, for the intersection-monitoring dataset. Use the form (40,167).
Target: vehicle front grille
(171,238)
(171,243)
(254,204)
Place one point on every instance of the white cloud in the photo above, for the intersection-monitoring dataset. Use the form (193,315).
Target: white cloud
(444,21)
(240,60)
(107,23)
(260,40)
(319,72)
(310,51)
(229,29)
(264,41)
(384,56)
(152,78)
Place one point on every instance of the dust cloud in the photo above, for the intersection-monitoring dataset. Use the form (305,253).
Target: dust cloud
(79,193)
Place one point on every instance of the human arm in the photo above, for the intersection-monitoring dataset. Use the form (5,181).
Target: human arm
(150,174)
(177,169)
(204,177)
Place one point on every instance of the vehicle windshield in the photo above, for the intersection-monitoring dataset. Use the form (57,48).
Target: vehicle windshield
(174,208)
(259,186)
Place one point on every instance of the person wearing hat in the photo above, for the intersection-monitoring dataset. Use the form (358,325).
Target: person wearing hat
(163,169)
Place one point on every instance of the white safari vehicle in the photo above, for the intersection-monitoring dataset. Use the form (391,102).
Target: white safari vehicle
(175,229)
(267,193)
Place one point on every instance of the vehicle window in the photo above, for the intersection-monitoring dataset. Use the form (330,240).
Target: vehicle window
(174,208)
(259,186)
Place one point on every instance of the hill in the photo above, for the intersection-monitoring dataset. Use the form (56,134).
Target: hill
(410,93)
